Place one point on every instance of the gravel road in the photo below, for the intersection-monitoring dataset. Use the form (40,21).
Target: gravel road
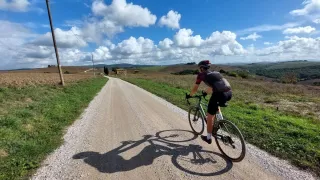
(128,133)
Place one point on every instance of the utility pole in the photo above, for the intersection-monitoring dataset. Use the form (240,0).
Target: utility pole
(93,65)
(54,44)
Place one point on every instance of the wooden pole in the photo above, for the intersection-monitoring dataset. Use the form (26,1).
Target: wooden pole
(54,44)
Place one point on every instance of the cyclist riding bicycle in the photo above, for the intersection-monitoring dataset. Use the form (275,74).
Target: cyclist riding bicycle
(220,89)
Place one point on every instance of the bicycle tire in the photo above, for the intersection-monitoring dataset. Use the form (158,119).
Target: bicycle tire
(240,139)
(215,157)
(196,115)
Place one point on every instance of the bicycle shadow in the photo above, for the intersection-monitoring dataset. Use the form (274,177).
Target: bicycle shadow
(112,161)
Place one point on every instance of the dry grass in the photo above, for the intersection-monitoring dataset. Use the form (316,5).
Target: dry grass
(23,79)
(70,69)
(3,153)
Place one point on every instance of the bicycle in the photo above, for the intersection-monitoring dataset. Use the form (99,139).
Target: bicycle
(234,139)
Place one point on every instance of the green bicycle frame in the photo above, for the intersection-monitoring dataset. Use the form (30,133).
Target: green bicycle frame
(218,114)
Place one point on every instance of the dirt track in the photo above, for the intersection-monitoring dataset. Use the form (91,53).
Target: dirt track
(127,133)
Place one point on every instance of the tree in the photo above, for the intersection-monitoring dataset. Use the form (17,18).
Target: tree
(106,70)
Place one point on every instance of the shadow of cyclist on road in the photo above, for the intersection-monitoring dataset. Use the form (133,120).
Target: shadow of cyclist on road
(112,161)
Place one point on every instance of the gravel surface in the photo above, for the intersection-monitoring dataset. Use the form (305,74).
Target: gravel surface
(129,133)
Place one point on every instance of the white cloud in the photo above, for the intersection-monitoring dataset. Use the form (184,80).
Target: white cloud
(143,50)
(14,5)
(223,43)
(72,23)
(31,50)
(310,7)
(166,43)
(94,30)
(184,38)
(317,21)
(124,14)
(112,19)
(267,27)
(38,52)
(171,20)
(133,46)
(65,39)
(253,37)
(267,43)
(299,30)
(294,48)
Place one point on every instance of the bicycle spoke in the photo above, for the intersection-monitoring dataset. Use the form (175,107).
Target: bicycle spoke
(230,141)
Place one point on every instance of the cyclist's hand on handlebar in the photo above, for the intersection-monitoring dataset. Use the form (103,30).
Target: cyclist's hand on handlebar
(188,96)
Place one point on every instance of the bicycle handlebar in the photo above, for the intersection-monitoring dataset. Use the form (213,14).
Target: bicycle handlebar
(197,96)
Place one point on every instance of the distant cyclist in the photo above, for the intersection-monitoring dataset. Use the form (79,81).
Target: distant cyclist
(218,87)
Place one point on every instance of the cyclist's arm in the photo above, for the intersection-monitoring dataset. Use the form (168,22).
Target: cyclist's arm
(194,89)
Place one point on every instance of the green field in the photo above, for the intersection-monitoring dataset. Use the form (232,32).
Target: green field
(33,120)
(284,134)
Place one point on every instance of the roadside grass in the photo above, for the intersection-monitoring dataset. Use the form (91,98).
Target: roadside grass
(295,138)
(33,120)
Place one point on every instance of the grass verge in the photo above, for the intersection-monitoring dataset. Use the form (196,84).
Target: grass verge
(33,120)
(296,139)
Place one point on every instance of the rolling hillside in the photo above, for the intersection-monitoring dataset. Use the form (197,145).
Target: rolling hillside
(302,70)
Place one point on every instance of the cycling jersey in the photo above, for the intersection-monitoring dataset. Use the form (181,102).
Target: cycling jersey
(214,80)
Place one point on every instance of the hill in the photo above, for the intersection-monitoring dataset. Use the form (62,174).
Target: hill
(302,70)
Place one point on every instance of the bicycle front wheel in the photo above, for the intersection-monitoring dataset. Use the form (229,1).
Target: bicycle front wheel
(230,141)
(196,120)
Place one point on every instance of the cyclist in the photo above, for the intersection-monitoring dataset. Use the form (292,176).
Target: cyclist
(218,87)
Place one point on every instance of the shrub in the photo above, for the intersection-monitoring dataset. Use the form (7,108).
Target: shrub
(243,74)
(223,71)
(233,74)
(289,78)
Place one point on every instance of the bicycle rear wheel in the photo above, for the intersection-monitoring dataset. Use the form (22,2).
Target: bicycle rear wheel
(230,141)
(196,120)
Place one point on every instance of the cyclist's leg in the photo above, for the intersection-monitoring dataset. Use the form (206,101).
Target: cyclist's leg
(212,109)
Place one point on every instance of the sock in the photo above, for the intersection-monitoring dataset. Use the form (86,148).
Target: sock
(209,136)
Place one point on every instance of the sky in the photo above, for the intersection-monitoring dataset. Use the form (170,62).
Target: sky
(158,32)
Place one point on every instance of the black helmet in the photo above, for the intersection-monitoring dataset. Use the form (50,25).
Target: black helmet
(204,64)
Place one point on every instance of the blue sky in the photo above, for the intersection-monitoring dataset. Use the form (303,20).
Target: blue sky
(158,32)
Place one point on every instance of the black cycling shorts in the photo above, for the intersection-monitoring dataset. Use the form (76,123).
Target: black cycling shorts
(216,99)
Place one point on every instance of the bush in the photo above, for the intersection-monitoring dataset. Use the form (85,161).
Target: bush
(222,71)
(289,78)
(67,72)
(233,74)
(243,74)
